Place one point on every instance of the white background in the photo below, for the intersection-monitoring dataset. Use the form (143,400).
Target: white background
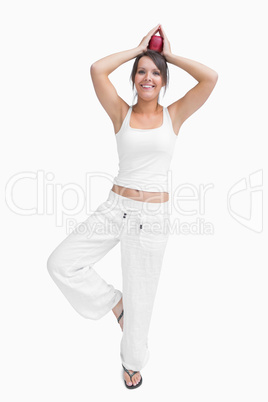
(208,334)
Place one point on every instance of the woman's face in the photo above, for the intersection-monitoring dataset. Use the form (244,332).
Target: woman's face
(148,80)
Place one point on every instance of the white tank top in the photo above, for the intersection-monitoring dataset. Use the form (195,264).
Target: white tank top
(145,155)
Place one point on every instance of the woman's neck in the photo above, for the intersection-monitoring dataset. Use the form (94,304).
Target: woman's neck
(147,107)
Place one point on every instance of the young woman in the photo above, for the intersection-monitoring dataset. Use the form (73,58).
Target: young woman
(136,213)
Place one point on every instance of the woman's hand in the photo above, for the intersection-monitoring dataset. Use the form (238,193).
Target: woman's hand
(166,45)
(145,41)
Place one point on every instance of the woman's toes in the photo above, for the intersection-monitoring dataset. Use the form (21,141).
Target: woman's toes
(127,379)
(136,379)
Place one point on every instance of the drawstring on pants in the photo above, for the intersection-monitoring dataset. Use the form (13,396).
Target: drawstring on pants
(139,215)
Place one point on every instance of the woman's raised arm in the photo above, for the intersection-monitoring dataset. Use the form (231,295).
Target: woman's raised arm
(195,97)
(99,70)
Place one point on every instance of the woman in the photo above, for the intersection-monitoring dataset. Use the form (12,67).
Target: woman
(138,203)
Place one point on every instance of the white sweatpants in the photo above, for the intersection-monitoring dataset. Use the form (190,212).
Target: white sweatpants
(142,228)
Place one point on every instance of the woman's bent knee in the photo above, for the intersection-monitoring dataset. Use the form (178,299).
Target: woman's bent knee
(54,264)
(51,266)
(61,265)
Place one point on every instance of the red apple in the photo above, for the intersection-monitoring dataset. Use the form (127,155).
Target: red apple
(156,43)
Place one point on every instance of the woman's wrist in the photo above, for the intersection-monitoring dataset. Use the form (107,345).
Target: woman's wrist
(168,57)
(141,49)
(109,63)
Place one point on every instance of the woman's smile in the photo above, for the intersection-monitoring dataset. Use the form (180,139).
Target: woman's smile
(147,87)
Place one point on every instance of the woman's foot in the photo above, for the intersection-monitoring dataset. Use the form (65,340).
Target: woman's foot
(135,378)
(117,310)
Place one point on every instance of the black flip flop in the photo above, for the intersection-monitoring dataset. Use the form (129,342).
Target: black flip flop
(121,315)
(131,375)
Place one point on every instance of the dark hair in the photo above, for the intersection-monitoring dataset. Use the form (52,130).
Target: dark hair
(158,60)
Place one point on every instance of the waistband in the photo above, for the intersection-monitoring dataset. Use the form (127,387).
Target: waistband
(130,204)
